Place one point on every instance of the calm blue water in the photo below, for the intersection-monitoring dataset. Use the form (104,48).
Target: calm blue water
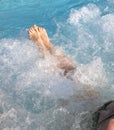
(33,94)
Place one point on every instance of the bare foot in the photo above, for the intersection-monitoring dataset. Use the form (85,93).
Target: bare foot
(45,39)
(36,34)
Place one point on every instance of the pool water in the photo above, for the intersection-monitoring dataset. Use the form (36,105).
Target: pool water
(33,93)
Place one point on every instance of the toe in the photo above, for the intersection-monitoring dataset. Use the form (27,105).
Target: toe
(31,29)
(38,29)
(35,28)
(41,29)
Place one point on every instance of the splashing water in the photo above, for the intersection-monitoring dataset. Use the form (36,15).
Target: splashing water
(33,93)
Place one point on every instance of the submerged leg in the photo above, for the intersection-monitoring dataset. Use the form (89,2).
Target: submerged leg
(39,35)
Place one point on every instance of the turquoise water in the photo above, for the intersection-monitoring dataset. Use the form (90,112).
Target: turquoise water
(33,94)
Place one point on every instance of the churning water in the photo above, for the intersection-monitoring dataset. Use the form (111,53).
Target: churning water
(33,94)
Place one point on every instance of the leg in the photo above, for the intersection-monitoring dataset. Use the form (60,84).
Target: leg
(39,35)
(34,34)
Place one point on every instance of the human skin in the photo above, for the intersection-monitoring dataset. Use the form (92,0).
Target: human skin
(111,125)
(40,37)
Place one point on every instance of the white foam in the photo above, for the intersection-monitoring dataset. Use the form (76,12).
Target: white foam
(92,74)
(94,34)
(32,89)
(84,15)
(28,68)
(107,22)
(90,17)
(34,95)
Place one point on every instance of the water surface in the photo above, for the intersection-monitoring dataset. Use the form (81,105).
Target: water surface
(33,94)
